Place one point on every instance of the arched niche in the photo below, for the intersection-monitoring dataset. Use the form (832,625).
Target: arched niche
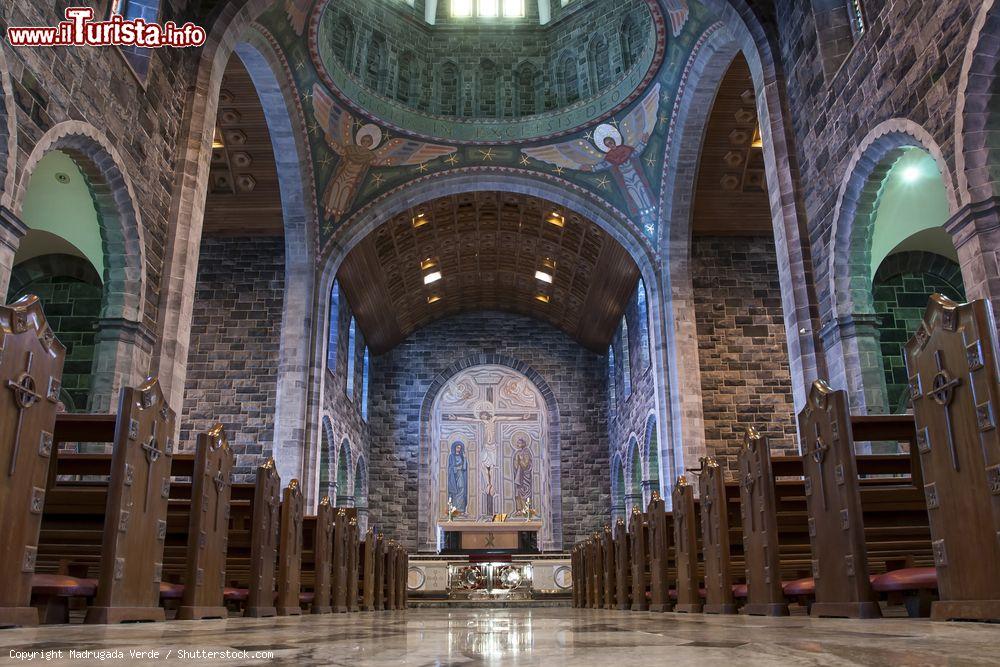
(491,447)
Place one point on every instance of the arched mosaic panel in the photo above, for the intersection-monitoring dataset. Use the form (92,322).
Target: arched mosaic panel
(490,447)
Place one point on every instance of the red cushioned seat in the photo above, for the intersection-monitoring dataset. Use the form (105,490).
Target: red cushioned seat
(739,591)
(907,579)
(171,591)
(672,593)
(306,597)
(235,594)
(805,586)
(62,585)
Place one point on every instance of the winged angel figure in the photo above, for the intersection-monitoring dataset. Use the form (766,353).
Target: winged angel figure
(678,12)
(615,148)
(298,13)
(361,151)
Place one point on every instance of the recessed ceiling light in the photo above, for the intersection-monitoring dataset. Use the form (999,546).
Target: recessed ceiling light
(428,263)
(434,298)
(544,298)
(420,219)
(556,218)
(544,277)
(911,174)
(432,277)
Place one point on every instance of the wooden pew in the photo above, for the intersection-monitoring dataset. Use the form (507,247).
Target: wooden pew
(323,555)
(658,554)
(623,566)
(715,539)
(31,363)
(608,567)
(354,564)
(638,539)
(686,549)
(208,528)
(290,551)
(765,596)
(836,524)
(264,542)
(952,363)
(341,562)
(597,573)
(367,569)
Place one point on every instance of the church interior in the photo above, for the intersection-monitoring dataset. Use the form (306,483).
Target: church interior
(502,332)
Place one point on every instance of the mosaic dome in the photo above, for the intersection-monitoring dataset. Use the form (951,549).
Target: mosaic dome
(487,82)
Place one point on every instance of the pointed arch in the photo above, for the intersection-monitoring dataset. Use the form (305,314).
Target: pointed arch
(344,490)
(344,42)
(599,64)
(327,481)
(526,92)
(569,79)
(333,329)
(449,91)
(488,89)
(352,355)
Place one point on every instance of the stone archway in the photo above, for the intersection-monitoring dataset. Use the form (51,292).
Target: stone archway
(520,404)
(851,336)
(124,339)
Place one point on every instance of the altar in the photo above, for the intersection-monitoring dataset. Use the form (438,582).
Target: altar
(511,536)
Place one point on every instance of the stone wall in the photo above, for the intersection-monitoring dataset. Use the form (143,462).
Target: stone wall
(741,345)
(97,86)
(629,417)
(906,65)
(400,382)
(901,288)
(235,336)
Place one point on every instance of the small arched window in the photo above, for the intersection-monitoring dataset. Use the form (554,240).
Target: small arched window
(364,385)
(612,394)
(448,89)
(626,364)
(352,353)
(487,92)
(599,61)
(570,80)
(630,40)
(333,335)
(407,82)
(375,63)
(643,311)
(343,43)
(526,92)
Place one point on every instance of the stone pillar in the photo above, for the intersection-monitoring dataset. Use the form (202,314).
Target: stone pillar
(854,361)
(648,486)
(12,230)
(122,352)
(631,500)
(975,231)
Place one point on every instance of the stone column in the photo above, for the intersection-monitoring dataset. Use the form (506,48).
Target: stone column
(854,361)
(975,230)
(631,500)
(648,486)
(122,352)
(12,230)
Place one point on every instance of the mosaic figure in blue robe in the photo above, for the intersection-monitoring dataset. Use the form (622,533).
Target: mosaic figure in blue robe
(458,477)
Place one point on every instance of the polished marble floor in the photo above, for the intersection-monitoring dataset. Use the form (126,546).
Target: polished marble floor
(534,636)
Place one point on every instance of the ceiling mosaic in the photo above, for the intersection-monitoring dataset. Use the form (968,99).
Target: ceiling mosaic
(372,131)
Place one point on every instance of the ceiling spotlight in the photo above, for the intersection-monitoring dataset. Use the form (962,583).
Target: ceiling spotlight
(556,218)
(544,298)
(758,141)
(428,263)
(434,298)
(420,219)
(544,277)
(432,277)
(911,175)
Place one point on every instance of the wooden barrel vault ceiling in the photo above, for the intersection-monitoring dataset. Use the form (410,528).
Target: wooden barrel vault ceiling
(493,251)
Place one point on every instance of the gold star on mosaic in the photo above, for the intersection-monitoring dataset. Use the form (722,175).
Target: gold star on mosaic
(559,170)
(307,96)
(422,167)
(312,127)
(487,154)
(326,161)
(525,161)
(299,65)
(451,159)
(664,118)
(589,136)
(377,178)
(614,121)
(650,161)
(603,182)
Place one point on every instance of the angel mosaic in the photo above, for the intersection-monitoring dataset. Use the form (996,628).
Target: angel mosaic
(361,150)
(678,12)
(298,14)
(615,146)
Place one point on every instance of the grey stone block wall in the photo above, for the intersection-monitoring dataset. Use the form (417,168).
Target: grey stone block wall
(400,381)
(741,345)
(235,336)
